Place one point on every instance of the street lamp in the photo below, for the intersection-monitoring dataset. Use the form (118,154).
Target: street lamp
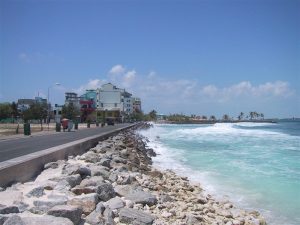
(48,103)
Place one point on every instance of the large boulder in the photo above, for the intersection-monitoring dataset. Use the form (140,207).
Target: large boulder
(142,197)
(71,212)
(134,216)
(42,206)
(106,191)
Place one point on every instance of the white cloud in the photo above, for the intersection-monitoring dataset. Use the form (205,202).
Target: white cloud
(187,95)
(129,78)
(117,69)
(24,57)
(92,84)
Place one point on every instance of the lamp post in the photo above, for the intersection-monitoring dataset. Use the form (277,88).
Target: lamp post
(48,103)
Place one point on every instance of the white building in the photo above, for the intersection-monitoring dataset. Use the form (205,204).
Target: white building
(113,102)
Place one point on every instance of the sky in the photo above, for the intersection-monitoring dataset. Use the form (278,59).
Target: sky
(194,57)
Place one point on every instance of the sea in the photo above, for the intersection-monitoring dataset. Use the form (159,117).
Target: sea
(254,165)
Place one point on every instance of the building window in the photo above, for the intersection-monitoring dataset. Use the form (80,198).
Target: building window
(115,104)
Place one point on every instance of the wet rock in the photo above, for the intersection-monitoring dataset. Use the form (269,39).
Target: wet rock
(106,191)
(8,209)
(130,216)
(71,212)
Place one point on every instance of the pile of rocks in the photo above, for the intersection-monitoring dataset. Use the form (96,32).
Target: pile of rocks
(114,183)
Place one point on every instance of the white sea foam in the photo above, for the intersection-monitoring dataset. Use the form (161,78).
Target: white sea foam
(164,139)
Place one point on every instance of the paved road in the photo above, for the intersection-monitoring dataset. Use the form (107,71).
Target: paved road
(10,149)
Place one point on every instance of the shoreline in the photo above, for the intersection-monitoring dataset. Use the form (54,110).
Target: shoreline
(116,183)
(217,121)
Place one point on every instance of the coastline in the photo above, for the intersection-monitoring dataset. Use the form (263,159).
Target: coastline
(116,183)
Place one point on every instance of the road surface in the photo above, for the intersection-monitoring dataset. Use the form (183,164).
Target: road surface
(10,149)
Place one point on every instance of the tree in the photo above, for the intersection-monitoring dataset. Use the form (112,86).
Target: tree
(69,111)
(241,116)
(37,111)
(14,109)
(225,117)
(153,115)
(204,117)
(212,117)
(5,111)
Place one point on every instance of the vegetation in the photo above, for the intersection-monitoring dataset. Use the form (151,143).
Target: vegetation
(5,111)
(36,111)
(70,111)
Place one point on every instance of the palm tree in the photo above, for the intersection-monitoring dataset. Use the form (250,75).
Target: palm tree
(241,116)
(225,117)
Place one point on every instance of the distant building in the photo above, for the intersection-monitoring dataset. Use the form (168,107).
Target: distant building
(24,104)
(137,104)
(108,101)
(71,97)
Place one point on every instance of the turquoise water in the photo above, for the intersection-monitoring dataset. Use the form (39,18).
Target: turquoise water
(255,165)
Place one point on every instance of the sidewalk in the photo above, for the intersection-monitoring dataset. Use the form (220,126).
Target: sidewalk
(18,136)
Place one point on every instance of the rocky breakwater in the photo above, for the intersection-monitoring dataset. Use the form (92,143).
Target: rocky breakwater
(114,183)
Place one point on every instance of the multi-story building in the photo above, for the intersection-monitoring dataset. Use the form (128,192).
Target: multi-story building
(137,104)
(72,97)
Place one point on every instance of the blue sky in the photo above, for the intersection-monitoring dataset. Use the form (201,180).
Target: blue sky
(200,57)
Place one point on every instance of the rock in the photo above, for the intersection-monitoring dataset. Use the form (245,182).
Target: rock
(92,181)
(142,198)
(165,198)
(42,206)
(88,202)
(52,165)
(71,212)
(109,217)
(105,162)
(37,220)
(90,157)
(62,186)
(201,200)
(225,213)
(115,203)
(131,216)
(113,177)
(99,171)
(14,220)
(106,191)
(118,159)
(72,169)
(10,197)
(73,180)
(126,180)
(8,209)
(36,192)
(95,218)
(191,220)
(123,190)
(78,190)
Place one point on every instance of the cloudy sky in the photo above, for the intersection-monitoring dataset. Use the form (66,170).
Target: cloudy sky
(194,57)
